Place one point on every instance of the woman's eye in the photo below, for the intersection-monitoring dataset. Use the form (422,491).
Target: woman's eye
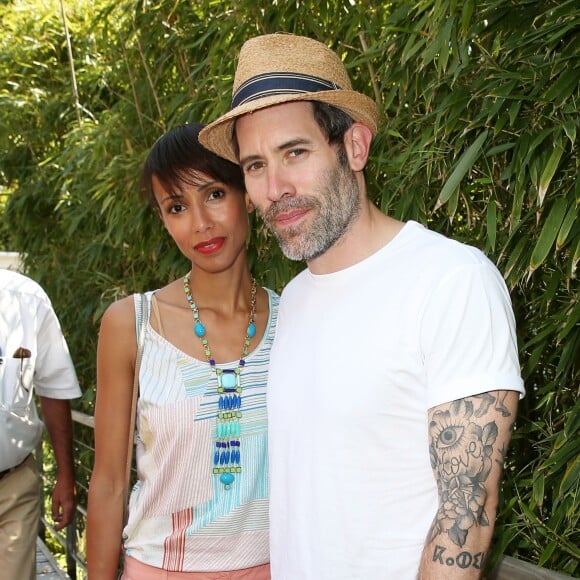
(216,194)
(176,208)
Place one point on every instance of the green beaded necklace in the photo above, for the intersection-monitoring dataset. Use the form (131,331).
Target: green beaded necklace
(226,454)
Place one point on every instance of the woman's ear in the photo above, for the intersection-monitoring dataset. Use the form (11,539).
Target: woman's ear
(357,143)
(160,216)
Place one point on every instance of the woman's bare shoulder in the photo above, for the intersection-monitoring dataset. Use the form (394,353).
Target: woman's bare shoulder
(120,316)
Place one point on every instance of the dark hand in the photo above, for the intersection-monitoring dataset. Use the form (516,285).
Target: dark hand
(63,503)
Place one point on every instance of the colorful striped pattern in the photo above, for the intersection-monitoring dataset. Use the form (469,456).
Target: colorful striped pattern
(180,517)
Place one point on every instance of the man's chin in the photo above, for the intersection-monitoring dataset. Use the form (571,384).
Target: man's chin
(290,250)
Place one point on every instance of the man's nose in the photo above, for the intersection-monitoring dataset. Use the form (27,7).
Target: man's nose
(279,183)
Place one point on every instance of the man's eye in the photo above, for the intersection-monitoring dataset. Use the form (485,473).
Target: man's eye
(252,167)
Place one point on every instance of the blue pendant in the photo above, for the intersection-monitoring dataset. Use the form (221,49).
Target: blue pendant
(228,380)
(251,330)
(227,478)
(199,329)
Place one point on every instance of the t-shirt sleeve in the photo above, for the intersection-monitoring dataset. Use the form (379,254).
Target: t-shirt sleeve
(54,372)
(468,336)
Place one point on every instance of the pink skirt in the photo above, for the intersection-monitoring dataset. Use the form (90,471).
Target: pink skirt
(135,570)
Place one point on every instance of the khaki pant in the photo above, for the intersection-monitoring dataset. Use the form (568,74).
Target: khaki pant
(135,570)
(19,515)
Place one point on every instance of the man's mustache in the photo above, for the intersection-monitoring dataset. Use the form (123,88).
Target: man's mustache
(288,204)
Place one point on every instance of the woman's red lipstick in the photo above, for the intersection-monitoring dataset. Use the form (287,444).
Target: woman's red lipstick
(210,246)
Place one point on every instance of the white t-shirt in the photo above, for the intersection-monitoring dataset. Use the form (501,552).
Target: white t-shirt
(360,356)
(28,321)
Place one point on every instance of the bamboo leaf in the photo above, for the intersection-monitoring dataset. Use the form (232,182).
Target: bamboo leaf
(569,221)
(571,477)
(464,164)
(570,130)
(499,149)
(547,553)
(452,204)
(560,458)
(432,50)
(548,173)
(538,487)
(515,257)
(572,426)
(444,45)
(548,233)
(571,322)
(414,44)
(466,14)
(538,140)
(563,86)
(514,111)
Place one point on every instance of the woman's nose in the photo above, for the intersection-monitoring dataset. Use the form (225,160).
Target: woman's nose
(202,220)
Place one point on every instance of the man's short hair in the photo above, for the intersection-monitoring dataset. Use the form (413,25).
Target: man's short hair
(333,123)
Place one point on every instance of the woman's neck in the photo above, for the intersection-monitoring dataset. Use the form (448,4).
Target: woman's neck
(225,292)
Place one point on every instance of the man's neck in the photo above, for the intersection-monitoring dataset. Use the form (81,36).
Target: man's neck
(371,231)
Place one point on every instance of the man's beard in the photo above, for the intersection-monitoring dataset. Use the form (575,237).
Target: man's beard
(336,207)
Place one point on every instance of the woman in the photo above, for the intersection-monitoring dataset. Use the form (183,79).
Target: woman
(199,508)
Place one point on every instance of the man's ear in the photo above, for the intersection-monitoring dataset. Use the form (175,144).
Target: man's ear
(250,207)
(357,142)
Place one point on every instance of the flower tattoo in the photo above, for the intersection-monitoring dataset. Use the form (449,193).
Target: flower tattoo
(460,452)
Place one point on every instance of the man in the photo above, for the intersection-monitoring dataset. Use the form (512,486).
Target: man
(394,376)
(34,355)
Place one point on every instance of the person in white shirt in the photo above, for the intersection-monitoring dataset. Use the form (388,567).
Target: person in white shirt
(394,375)
(34,357)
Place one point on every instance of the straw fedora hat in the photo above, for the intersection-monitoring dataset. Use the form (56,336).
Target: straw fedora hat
(279,68)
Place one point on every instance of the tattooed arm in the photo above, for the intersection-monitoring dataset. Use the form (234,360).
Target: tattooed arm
(468,439)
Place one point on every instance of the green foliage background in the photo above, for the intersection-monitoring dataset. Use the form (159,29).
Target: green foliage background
(479,141)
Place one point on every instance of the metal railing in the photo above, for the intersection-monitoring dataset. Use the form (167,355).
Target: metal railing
(72,541)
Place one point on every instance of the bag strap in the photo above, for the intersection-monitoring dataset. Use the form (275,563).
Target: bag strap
(157,316)
(144,315)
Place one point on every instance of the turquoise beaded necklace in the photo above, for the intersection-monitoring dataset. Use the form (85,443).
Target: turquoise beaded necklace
(226,452)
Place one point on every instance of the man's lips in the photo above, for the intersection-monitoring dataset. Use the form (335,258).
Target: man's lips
(290,217)
(210,246)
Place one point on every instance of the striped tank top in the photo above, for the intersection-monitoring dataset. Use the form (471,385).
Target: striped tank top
(180,516)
